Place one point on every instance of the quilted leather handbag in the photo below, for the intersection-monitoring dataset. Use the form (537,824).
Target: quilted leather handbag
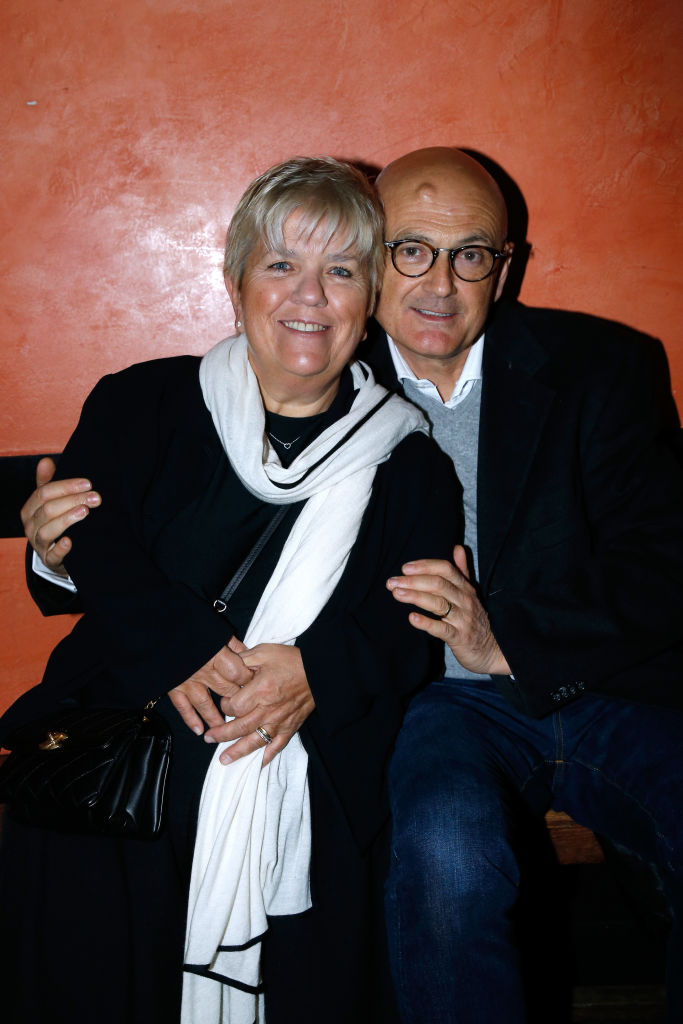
(99,770)
(92,770)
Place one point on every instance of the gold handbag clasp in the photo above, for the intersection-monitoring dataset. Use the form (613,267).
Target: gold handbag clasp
(53,741)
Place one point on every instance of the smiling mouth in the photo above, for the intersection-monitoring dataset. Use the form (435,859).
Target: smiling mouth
(432,313)
(302,325)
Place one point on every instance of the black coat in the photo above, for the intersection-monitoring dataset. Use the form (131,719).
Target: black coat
(580,509)
(146,440)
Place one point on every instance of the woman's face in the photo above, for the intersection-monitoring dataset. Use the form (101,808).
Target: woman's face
(304,311)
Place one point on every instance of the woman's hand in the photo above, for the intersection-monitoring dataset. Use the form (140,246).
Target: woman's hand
(53,507)
(277,698)
(445,590)
(223,674)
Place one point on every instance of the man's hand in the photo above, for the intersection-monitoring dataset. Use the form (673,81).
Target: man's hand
(223,674)
(445,590)
(52,508)
(277,698)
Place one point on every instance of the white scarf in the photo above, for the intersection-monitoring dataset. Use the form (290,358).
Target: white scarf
(253,846)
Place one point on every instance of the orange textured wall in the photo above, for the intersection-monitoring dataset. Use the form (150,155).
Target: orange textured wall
(130,129)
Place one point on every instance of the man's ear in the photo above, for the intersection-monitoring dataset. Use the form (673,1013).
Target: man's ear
(508,249)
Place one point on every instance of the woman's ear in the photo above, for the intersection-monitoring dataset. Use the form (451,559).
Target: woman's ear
(234,293)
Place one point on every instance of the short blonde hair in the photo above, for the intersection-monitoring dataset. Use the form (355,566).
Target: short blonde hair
(329,192)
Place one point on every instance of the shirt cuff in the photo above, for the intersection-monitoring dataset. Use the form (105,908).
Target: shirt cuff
(40,569)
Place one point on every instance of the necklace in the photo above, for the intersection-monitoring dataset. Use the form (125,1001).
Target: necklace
(285,444)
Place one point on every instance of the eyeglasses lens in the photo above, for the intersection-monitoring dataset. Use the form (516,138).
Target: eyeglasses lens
(413,259)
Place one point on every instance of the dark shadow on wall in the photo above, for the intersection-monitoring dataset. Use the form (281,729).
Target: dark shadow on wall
(518,221)
(369,170)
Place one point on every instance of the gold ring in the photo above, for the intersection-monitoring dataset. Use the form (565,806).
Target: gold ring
(448,610)
(264,734)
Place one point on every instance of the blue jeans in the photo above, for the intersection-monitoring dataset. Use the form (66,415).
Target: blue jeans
(466,765)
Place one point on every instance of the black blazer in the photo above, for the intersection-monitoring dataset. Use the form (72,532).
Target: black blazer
(580,509)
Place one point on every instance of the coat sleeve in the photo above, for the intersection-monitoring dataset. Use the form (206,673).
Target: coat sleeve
(50,598)
(596,600)
(362,657)
(150,631)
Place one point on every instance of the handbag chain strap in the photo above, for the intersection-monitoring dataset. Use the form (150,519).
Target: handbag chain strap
(221,603)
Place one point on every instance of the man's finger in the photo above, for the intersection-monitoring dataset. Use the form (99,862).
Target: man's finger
(449,587)
(53,528)
(432,567)
(52,501)
(438,604)
(438,628)
(45,470)
(460,559)
(60,489)
(55,555)
(52,508)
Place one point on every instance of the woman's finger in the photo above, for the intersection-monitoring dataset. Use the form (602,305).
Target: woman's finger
(186,711)
(236,645)
(238,727)
(230,665)
(246,745)
(279,743)
(201,706)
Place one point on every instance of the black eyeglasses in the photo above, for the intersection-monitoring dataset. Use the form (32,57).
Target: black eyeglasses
(468,262)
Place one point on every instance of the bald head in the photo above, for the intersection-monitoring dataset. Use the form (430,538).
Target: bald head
(445,199)
(427,173)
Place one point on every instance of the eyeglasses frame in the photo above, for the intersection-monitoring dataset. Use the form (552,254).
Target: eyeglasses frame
(452,253)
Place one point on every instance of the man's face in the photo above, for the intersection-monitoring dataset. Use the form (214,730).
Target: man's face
(434,319)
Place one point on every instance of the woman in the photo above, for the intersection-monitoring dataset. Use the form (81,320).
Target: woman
(193,459)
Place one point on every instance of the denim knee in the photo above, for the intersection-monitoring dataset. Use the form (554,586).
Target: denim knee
(450,837)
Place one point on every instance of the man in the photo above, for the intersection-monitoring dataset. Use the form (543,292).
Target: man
(560,613)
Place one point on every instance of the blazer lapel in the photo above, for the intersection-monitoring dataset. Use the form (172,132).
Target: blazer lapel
(514,406)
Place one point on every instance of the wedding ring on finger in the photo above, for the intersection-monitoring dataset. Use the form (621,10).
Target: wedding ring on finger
(264,734)
(448,610)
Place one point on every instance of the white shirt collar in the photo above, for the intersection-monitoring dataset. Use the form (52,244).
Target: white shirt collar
(471,372)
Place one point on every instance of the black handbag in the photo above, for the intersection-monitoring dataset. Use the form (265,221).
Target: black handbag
(99,771)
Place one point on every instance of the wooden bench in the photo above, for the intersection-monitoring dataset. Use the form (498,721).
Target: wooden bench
(573,843)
